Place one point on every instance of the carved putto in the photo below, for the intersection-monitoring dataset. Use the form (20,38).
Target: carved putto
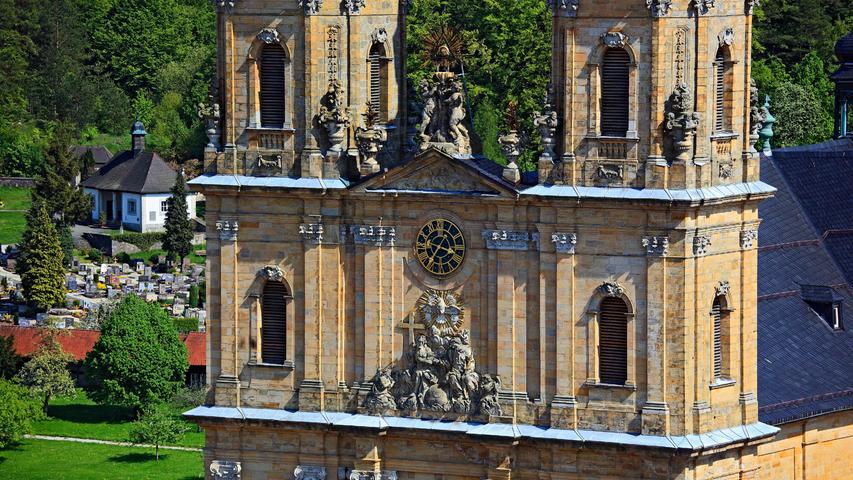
(380,35)
(334,116)
(438,374)
(272,273)
(681,122)
(547,122)
(726,38)
(614,39)
(723,288)
(611,289)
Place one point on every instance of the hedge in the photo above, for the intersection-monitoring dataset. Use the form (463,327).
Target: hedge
(144,241)
(186,325)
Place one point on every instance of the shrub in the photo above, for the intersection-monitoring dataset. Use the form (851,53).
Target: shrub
(123,257)
(186,325)
(18,410)
(143,241)
(154,259)
(94,255)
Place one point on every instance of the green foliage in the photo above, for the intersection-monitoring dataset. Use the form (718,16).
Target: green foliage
(178,238)
(123,257)
(154,259)
(94,255)
(66,240)
(157,426)
(18,411)
(139,358)
(40,265)
(22,148)
(800,119)
(10,361)
(46,374)
(144,241)
(186,325)
(202,292)
(193,300)
(65,203)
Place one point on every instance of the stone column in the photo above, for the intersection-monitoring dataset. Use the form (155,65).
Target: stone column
(656,409)
(311,388)
(748,316)
(228,312)
(564,403)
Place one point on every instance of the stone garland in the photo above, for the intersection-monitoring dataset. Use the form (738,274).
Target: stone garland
(227,230)
(656,246)
(510,240)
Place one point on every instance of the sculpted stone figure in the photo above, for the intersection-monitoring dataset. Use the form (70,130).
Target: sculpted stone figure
(380,400)
(334,116)
(457,114)
(681,122)
(489,387)
(428,93)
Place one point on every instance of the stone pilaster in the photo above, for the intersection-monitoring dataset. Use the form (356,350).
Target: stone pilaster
(564,404)
(656,409)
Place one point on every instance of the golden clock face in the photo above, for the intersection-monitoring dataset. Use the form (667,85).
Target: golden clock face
(440,247)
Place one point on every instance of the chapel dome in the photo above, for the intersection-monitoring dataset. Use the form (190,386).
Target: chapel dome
(844,49)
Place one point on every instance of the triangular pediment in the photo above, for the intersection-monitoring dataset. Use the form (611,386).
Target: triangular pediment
(436,172)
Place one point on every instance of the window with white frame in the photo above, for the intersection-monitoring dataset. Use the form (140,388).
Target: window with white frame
(164,206)
(131,207)
(152,216)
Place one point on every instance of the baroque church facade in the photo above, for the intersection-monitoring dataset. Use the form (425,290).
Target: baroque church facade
(386,304)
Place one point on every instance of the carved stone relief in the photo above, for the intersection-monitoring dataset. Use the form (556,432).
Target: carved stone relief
(309,472)
(224,5)
(610,172)
(443,116)
(726,38)
(509,240)
(565,242)
(681,122)
(269,36)
(227,230)
(379,35)
(272,273)
(680,57)
(611,289)
(748,239)
(371,475)
(438,374)
(702,6)
(701,245)
(379,236)
(656,246)
(547,122)
(333,36)
(311,7)
(723,288)
(565,8)
(311,232)
(750,6)
(225,470)
(614,39)
(726,170)
(353,7)
(659,8)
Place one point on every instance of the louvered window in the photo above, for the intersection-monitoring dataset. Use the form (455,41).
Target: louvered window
(378,79)
(720,91)
(272,66)
(614,92)
(274,323)
(613,341)
(717,315)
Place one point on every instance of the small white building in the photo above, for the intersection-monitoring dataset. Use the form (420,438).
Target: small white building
(133,188)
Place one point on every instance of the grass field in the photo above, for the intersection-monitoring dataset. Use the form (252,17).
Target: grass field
(13,215)
(44,459)
(83,418)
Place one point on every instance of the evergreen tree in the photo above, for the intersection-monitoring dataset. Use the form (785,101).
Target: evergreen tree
(66,239)
(177,240)
(138,359)
(42,273)
(10,361)
(66,203)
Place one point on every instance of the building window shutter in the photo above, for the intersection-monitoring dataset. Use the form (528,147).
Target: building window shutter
(274,323)
(717,315)
(613,341)
(272,65)
(720,91)
(378,80)
(614,92)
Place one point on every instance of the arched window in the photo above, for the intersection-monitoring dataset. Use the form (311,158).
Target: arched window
(615,92)
(613,341)
(378,84)
(274,323)
(722,90)
(718,316)
(271,72)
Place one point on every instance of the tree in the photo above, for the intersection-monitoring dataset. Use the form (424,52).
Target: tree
(10,361)
(178,239)
(18,411)
(800,120)
(157,426)
(66,204)
(46,374)
(193,300)
(139,358)
(42,274)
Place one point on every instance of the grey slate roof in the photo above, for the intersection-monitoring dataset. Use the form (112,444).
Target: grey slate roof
(144,173)
(804,367)
(100,154)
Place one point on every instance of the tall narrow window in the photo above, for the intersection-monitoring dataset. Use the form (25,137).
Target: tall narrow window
(378,64)
(614,92)
(613,341)
(717,316)
(274,323)
(271,73)
(721,91)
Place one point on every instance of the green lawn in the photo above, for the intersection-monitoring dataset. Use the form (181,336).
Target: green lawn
(44,459)
(83,418)
(13,216)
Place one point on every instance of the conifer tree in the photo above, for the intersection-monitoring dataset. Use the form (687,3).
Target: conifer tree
(42,273)
(178,238)
(66,203)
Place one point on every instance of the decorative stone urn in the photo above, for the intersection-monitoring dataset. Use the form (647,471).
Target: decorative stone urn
(511,147)
(210,114)
(681,122)
(334,117)
(756,117)
(369,140)
(547,121)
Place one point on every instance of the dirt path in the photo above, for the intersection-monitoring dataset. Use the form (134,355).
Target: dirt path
(107,442)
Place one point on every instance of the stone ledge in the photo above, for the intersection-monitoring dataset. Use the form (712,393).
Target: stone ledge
(694,443)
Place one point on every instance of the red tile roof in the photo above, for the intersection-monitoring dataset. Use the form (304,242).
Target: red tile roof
(79,342)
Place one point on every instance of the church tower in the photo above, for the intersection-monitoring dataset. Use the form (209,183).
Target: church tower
(443,317)
(294,80)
